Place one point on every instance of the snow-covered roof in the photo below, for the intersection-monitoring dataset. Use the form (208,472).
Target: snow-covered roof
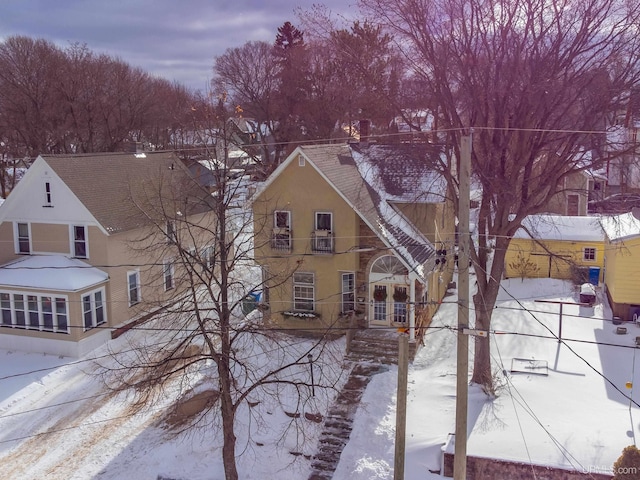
(620,227)
(373,179)
(559,227)
(51,272)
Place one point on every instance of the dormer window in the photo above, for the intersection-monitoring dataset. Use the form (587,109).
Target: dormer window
(47,195)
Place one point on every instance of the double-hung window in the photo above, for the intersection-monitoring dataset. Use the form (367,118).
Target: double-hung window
(304,292)
(48,199)
(171,232)
(168,275)
(23,240)
(133,287)
(281,239)
(93,309)
(323,236)
(348,292)
(5,307)
(34,312)
(80,249)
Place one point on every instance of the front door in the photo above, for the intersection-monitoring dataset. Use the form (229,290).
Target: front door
(380,305)
(389,304)
(388,295)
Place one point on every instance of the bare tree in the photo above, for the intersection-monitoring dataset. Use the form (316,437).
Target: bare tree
(29,112)
(248,74)
(200,246)
(74,101)
(534,79)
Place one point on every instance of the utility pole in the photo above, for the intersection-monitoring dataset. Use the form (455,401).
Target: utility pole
(401,407)
(462,367)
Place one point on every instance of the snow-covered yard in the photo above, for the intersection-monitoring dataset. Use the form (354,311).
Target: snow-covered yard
(58,422)
(571,417)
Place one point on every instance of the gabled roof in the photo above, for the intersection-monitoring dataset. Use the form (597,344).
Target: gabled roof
(372,179)
(560,227)
(121,189)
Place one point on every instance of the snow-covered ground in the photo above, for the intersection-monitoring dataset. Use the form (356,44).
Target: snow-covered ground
(572,417)
(58,422)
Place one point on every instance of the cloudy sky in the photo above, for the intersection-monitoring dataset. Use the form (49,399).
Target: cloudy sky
(174,39)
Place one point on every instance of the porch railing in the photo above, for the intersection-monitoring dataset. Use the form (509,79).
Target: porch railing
(282,239)
(322,241)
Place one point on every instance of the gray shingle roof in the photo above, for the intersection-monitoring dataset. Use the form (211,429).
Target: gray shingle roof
(374,177)
(122,190)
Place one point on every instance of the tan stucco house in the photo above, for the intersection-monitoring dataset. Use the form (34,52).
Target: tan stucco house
(86,246)
(353,231)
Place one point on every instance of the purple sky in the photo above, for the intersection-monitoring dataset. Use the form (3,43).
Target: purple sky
(174,39)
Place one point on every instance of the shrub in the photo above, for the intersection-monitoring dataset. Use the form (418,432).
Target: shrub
(627,467)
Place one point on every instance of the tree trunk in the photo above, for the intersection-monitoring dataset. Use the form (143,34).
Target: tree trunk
(482,358)
(484,301)
(228,418)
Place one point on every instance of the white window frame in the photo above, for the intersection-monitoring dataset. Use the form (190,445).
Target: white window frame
(316,217)
(18,238)
(304,291)
(168,275)
(288,219)
(48,195)
(322,241)
(281,239)
(74,241)
(28,300)
(130,288)
(344,294)
(587,257)
(93,307)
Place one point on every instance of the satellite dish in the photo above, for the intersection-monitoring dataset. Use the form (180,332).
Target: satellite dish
(635,211)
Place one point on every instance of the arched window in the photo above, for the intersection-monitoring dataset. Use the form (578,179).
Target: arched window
(388,265)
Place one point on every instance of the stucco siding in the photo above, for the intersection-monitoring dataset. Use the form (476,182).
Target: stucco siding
(302,191)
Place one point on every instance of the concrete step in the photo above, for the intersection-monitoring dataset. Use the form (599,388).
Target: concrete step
(377,346)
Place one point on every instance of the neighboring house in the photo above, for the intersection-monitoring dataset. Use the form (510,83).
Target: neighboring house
(555,246)
(573,197)
(88,245)
(622,265)
(344,230)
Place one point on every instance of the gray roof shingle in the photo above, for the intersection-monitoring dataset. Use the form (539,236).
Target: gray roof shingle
(374,177)
(124,190)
